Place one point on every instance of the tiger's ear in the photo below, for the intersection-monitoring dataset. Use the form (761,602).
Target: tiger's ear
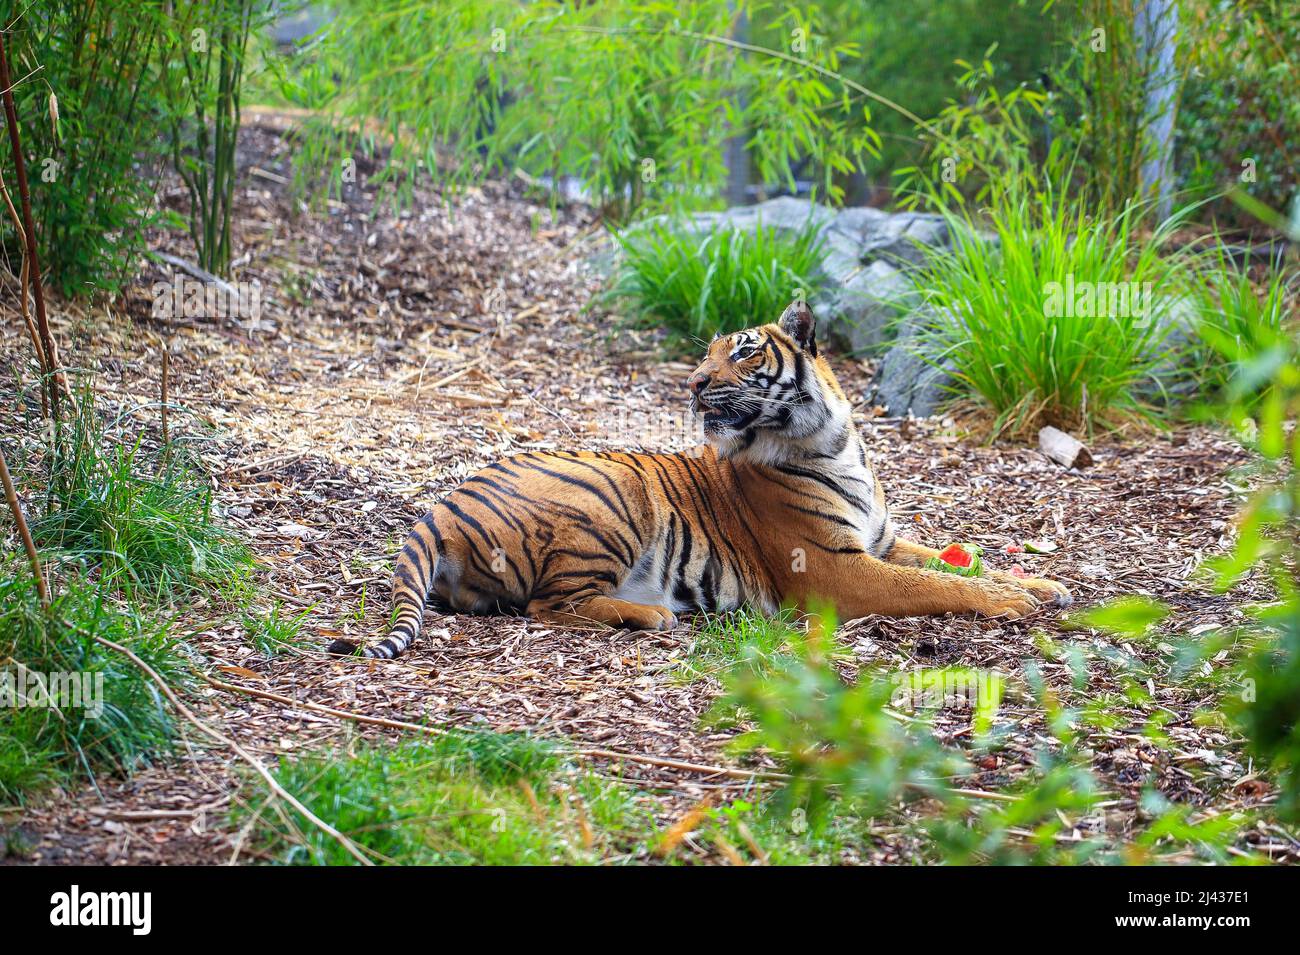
(798,322)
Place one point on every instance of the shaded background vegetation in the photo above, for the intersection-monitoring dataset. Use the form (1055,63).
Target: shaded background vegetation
(632,105)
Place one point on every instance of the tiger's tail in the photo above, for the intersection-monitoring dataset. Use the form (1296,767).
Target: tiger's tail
(413,577)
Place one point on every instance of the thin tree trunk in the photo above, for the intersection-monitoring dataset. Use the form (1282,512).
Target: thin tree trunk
(1156,24)
(12,497)
(29,230)
(735,154)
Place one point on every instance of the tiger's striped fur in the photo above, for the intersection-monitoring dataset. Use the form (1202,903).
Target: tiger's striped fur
(779,507)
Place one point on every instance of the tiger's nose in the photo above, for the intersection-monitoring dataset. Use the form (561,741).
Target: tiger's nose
(698,382)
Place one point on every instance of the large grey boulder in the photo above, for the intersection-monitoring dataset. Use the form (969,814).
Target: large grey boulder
(866,253)
(1175,334)
(903,239)
(784,214)
(868,258)
(911,380)
(863,308)
(859,224)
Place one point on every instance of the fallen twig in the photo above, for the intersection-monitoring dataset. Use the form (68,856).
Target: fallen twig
(166,440)
(153,815)
(239,751)
(586,751)
(438,731)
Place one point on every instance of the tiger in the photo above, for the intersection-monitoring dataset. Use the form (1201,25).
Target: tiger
(777,508)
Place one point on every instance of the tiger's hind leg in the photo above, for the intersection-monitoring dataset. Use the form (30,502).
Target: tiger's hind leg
(610,611)
(911,554)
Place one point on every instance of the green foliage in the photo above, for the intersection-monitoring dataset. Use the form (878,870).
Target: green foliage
(756,639)
(1239,320)
(1238,116)
(994,834)
(466,798)
(1100,111)
(1268,708)
(93,171)
(105,93)
(119,725)
(863,752)
(631,98)
(698,284)
(978,144)
(147,521)
(1035,327)
(832,735)
(911,58)
(1260,399)
(202,77)
(275,631)
(120,529)
(1129,616)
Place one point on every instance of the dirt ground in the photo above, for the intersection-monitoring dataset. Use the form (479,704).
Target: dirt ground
(396,353)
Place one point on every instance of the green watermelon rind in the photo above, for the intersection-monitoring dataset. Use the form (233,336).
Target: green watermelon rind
(976,568)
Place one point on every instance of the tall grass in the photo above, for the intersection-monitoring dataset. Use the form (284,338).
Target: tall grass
(276,630)
(146,520)
(1239,319)
(43,745)
(470,797)
(698,284)
(121,528)
(1015,347)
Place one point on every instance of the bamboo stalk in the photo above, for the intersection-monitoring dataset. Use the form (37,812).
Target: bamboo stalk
(166,361)
(32,333)
(29,231)
(28,544)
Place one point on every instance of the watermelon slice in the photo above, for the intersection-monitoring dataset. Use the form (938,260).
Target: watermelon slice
(961,559)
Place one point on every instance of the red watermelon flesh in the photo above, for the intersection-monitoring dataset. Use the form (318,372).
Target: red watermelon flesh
(956,555)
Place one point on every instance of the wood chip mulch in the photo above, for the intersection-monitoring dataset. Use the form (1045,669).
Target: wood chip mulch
(396,353)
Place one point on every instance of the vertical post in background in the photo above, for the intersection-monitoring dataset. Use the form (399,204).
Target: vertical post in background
(735,154)
(1156,25)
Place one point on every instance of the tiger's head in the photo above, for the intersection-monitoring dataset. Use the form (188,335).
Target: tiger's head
(766,393)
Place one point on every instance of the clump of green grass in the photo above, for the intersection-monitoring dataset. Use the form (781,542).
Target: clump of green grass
(117,722)
(696,285)
(466,798)
(745,638)
(1001,318)
(276,631)
(1239,320)
(147,521)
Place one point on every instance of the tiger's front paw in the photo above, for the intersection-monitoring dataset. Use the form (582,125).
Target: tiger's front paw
(1048,592)
(1008,601)
(660,618)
